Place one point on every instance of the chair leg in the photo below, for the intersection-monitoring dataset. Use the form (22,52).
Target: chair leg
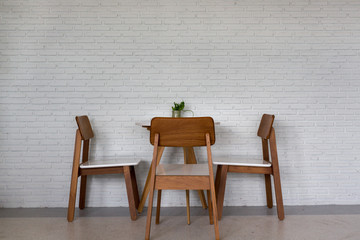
(134,186)
(210,208)
(215,213)
(82,192)
(130,193)
(157,221)
(72,196)
(74,177)
(188,206)
(149,213)
(278,195)
(276,175)
(220,183)
(268,191)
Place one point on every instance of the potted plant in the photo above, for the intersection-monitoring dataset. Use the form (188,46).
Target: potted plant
(177,108)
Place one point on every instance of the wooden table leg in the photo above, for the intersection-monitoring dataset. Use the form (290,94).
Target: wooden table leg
(190,158)
(147,183)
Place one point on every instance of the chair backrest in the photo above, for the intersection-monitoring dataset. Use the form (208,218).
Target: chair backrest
(182,132)
(84,127)
(265,126)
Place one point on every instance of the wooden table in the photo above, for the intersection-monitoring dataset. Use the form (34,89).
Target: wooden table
(189,158)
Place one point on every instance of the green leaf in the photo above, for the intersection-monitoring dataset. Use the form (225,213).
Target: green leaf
(178,107)
(182,105)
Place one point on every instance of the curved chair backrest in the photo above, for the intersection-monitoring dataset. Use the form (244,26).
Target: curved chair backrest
(182,132)
(265,126)
(84,127)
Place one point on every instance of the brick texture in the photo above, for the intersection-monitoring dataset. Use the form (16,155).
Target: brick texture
(126,61)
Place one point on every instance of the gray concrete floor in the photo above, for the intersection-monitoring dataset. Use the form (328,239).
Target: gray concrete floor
(301,222)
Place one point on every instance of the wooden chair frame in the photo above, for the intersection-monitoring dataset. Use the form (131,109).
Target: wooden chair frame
(84,134)
(172,132)
(267,134)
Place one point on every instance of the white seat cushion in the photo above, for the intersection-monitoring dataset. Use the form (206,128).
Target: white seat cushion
(183,169)
(130,161)
(249,161)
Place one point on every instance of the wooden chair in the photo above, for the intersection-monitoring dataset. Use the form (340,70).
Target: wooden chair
(249,165)
(182,132)
(83,134)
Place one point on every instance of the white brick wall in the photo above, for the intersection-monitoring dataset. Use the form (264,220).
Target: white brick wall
(129,60)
